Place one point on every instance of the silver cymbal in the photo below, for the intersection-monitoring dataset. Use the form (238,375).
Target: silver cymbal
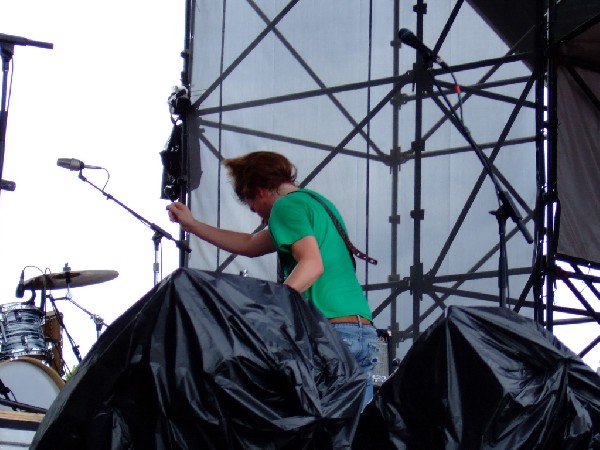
(71,279)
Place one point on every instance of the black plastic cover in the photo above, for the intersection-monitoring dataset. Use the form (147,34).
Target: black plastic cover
(211,361)
(485,378)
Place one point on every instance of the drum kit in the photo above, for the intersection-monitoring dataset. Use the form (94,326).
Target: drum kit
(31,340)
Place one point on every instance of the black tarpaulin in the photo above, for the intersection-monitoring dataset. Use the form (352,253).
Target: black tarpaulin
(207,361)
(485,378)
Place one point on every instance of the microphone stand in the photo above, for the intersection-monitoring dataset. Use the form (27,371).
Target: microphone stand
(506,208)
(159,233)
(7,47)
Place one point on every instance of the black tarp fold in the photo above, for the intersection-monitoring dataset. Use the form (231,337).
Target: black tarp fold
(485,378)
(211,361)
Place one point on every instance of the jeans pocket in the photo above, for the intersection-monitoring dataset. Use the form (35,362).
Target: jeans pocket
(372,354)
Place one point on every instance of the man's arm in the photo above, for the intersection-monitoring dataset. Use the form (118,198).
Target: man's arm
(245,244)
(309,265)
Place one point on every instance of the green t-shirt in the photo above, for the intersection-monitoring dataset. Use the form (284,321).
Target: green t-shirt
(337,292)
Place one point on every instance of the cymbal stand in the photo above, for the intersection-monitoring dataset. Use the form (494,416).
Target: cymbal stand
(98,321)
(159,233)
(74,346)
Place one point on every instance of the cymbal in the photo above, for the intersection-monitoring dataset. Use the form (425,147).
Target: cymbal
(71,279)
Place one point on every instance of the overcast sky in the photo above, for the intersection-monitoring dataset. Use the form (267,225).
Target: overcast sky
(100,95)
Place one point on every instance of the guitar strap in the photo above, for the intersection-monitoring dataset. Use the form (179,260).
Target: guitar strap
(349,245)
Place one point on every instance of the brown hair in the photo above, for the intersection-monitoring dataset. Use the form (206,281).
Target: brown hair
(263,169)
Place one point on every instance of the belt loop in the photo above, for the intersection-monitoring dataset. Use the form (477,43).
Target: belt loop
(358,319)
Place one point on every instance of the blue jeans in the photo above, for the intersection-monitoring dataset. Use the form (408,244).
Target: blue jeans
(362,342)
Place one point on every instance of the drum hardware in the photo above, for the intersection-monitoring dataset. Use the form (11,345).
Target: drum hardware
(14,405)
(4,390)
(26,331)
(98,321)
(21,342)
(57,360)
(20,290)
(31,348)
(23,333)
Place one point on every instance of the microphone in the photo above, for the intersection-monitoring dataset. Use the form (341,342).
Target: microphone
(74,164)
(20,291)
(407,37)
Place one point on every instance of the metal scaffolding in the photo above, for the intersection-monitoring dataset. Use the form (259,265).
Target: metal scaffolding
(429,288)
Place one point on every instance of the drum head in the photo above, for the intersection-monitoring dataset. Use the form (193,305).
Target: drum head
(30,382)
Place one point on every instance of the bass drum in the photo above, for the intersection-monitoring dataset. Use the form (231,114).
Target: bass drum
(30,382)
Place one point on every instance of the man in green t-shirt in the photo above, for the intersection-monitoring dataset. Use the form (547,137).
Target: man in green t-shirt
(301,229)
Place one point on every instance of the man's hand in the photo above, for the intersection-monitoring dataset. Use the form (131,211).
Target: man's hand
(181,214)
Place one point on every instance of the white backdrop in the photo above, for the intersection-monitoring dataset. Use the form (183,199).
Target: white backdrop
(335,43)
